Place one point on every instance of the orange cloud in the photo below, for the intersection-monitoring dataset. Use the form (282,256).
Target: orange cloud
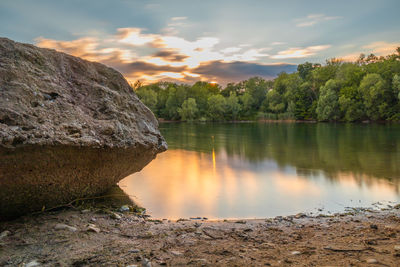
(300,52)
(313,19)
(152,57)
(379,48)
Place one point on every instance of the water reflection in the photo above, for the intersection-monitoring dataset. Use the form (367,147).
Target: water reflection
(263,170)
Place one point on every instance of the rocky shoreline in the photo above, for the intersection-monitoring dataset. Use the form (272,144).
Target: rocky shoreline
(122,237)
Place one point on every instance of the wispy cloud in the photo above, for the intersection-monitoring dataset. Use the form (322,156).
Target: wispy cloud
(300,52)
(314,19)
(379,48)
(278,43)
(178,18)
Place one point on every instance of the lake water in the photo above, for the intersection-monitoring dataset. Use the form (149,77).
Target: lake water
(257,170)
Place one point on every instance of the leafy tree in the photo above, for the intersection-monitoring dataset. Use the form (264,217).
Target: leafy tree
(216,107)
(189,110)
(323,74)
(274,102)
(350,74)
(257,88)
(148,97)
(247,104)
(396,83)
(301,101)
(233,106)
(328,106)
(305,70)
(372,88)
(351,104)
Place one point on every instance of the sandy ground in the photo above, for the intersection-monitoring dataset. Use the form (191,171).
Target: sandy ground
(99,238)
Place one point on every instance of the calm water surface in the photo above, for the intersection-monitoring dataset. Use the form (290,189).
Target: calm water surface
(252,170)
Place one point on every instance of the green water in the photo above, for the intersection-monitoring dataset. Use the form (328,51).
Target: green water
(255,170)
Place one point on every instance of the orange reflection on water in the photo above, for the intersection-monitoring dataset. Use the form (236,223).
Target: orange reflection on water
(182,183)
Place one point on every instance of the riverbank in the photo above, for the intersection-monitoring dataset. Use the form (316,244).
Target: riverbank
(98,238)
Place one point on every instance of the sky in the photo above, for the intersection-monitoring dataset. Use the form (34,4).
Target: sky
(216,41)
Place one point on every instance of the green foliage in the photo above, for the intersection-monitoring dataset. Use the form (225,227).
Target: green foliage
(328,105)
(189,110)
(372,88)
(368,89)
(247,103)
(351,104)
(216,107)
(233,106)
(305,70)
(148,97)
(396,84)
(274,102)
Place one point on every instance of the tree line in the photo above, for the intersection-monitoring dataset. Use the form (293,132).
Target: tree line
(367,89)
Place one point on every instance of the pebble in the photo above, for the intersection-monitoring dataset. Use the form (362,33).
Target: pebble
(300,215)
(135,250)
(295,253)
(374,226)
(115,216)
(32,264)
(196,224)
(176,253)
(132,265)
(372,261)
(4,234)
(93,228)
(146,263)
(61,226)
(397,247)
(85,211)
(124,208)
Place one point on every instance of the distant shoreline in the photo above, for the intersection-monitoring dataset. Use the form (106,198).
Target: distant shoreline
(283,121)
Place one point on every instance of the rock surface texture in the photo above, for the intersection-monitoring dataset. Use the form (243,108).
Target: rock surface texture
(69,128)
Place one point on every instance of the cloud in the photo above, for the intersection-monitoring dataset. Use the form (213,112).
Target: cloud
(153,57)
(178,18)
(300,52)
(170,55)
(278,43)
(313,19)
(379,48)
(382,48)
(226,72)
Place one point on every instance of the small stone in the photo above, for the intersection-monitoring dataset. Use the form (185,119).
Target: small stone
(85,211)
(4,234)
(115,216)
(397,247)
(93,228)
(61,226)
(32,264)
(124,208)
(135,250)
(295,253)
(371,261)
(132,265)
(374,226)
(300,215)
(241,222)
(176,253)
(146,263)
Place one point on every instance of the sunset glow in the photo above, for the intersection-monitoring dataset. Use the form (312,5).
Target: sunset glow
(154,41)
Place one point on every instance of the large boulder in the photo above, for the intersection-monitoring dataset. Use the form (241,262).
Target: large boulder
(69,128)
